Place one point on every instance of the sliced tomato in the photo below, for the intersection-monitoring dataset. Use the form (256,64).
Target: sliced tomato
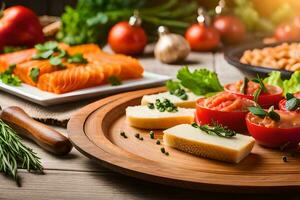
(275,136)
(283,102)
(265,100)
(232,118)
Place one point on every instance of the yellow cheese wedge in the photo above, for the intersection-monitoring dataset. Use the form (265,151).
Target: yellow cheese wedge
(143,117)
(189,103)
(192,140)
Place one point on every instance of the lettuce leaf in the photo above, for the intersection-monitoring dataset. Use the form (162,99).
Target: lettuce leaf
(292,85)
(289,86)
(200,82)
(274,78)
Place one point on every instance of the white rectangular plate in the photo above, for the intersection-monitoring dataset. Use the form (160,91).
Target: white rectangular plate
(38,96)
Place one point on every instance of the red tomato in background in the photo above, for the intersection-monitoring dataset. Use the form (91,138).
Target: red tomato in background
(283,102)
(19,26)
(127,39)
(273,137)
(202,37)
(286,32)
(231,29)
(264,100)
(234,120)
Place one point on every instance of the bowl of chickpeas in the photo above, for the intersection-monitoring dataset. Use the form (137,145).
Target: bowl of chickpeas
(259,58)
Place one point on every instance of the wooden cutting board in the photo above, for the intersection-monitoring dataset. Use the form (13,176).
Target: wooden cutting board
(95,132)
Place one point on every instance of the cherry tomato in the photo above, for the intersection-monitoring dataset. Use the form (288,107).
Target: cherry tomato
(283,102)
(286,32)
(202,37)
(265,100)
(127,39)
(231,29)
(234,120)
(274,136)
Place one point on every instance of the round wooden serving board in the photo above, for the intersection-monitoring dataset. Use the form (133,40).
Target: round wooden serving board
(95,132)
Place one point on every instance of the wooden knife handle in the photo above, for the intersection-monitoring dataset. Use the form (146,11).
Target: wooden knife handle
(46,137)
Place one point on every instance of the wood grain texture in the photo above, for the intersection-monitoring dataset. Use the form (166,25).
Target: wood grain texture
(95,131)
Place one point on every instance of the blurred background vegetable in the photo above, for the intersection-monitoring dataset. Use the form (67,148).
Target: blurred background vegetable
(91,20)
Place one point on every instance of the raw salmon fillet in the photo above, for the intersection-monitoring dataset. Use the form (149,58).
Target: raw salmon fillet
(15,58)
(71,79)
(130,67)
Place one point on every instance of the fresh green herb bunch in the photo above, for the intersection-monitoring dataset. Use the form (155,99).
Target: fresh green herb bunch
(7,77)
(258,111)
(90,20)
(292,103)
(14,154)
(216,129)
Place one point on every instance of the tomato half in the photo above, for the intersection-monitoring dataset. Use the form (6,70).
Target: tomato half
(265,100)
(273,137)
(234,120)
(283,102)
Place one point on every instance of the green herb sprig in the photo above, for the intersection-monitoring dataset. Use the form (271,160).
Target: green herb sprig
(7,77)
(216,129)
(244,87)
(262,88)
(162,106)
(114,81)
(51,50)
(258,111)
(14,154)
(292,103)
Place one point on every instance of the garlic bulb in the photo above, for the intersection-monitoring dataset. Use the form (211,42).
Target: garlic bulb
(170,47)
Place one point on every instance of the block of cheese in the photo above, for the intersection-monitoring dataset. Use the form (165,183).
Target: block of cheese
(143,117)
(189,103)
(194,141)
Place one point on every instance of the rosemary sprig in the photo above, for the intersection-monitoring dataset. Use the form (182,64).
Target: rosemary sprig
(14,154)
(216,129)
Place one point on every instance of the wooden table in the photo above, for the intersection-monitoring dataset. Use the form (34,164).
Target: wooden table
(76,177)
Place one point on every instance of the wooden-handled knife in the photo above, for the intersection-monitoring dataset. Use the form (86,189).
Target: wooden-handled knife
(46,137)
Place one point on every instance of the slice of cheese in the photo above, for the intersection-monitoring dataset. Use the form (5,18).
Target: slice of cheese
(143,117)
(192,140)
(189,103)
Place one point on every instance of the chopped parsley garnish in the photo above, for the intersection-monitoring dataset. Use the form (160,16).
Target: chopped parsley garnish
(258,111)
(175,89)
(34,74)
(165,105)
(51,50)
(216,129)
(292,103)
(77,58)
(151,134)
(114,81)
(7,77)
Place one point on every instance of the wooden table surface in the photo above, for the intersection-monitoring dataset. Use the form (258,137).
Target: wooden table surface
(76,177)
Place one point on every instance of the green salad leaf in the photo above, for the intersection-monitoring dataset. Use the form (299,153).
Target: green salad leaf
(291,85)
(200,82)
